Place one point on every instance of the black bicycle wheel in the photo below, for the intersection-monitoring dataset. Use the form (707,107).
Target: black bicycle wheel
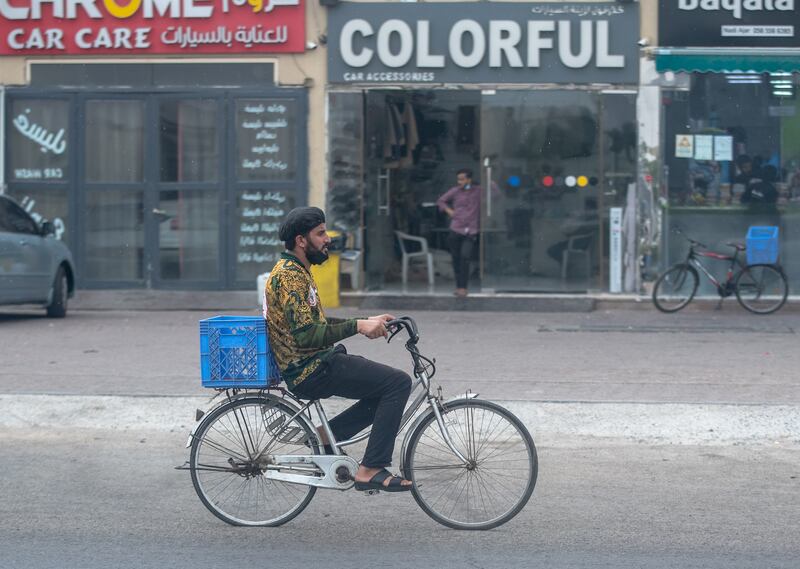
(228,459)
(500,475)
(675,288)
(762,289)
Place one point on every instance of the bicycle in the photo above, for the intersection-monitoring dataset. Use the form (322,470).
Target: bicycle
(759,288)
(256,457)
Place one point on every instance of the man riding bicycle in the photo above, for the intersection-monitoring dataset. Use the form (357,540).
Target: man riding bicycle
(315,367)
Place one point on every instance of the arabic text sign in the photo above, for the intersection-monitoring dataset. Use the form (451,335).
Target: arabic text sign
(728,23)
(57,27)
(483,42)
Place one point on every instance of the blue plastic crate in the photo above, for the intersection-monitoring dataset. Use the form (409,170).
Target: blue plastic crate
(762,245)
(235,353)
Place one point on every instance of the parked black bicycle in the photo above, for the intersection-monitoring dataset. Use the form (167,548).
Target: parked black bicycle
(760,288)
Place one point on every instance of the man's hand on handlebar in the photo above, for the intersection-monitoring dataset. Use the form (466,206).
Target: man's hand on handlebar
(372,328)
(383,318)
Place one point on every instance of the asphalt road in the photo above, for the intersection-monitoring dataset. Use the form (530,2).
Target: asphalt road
(100,499)
(728,356)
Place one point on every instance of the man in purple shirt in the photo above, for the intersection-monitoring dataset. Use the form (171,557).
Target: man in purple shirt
(463,204)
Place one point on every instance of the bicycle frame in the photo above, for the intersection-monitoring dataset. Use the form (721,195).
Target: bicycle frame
(424,396)
(692,258)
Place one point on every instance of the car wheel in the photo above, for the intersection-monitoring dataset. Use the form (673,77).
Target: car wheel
(58,306)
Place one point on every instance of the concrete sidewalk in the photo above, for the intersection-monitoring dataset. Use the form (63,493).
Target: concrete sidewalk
(551,424)
(158,300)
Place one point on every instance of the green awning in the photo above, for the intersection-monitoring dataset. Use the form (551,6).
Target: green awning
(675,60)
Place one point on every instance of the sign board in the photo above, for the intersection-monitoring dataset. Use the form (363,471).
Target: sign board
(723,148)
(728,23)
(684,146)
(615,249)
(125,27)
(704,147)
(483,42)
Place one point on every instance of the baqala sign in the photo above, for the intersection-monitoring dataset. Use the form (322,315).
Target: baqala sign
(52,27)
(728,23)
(483,43)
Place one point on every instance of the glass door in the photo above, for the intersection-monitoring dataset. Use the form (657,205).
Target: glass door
(187,207)
(113,196)
(541,180)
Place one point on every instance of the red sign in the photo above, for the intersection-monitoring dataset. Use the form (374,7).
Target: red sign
(124,27)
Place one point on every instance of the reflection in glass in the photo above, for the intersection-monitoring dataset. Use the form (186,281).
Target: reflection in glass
(46,204)
(38,140)
(114,141)
(114,235)
(265,140)
(543,228)
(188,235)
(188,141)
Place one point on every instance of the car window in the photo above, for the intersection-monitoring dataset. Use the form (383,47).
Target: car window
(14,219)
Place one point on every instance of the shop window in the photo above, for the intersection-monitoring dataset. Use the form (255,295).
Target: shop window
(265,140)
(39,140)
(188,141)
(114,141)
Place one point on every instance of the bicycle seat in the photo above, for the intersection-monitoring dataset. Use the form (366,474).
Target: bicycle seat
(737,246)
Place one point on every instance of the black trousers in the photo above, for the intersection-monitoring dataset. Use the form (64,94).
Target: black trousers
(382,392)
(461,248)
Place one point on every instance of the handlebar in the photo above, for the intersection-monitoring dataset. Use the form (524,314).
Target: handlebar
(693,242)
(403,323)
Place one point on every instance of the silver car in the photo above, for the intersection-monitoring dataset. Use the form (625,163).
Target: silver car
(35,267)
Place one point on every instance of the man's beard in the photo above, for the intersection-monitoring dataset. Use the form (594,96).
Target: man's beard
(316,256)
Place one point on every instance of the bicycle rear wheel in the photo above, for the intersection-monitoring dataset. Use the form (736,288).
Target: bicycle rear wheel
(500,476)
(228,458)
(762,289)
(675,288)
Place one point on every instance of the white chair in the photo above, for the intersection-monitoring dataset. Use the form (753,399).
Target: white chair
(423,253)
(350,264)
(573,249)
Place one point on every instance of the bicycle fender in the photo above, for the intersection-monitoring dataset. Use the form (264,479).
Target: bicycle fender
(274,398)
(422,417)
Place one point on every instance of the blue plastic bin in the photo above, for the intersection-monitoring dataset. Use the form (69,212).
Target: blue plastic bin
(235,353)
(762,245)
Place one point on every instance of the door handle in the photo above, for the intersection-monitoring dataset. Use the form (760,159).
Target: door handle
(488,165)
(159,211)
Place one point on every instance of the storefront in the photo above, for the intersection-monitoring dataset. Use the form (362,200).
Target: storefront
(731,131)
(538,100)
(165,150)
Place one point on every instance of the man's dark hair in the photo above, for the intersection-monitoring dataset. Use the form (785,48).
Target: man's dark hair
(299,221)
(466,171)
(743,159)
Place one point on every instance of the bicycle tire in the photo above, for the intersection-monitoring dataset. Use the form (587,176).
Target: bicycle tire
(676,277)
(465,488)
(755,280)
(229,438)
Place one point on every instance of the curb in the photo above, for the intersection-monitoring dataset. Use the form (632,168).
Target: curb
(552,424)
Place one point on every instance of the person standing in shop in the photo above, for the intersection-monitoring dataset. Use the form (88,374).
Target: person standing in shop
(462,203)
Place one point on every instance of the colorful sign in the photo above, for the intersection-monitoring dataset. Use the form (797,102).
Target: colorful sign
(124,27)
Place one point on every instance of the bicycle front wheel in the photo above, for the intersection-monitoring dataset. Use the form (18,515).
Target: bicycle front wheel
(500,475)
(761,289)
(229,457)
(675,288)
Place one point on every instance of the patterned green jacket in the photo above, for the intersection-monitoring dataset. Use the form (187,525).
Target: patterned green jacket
(299,334)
